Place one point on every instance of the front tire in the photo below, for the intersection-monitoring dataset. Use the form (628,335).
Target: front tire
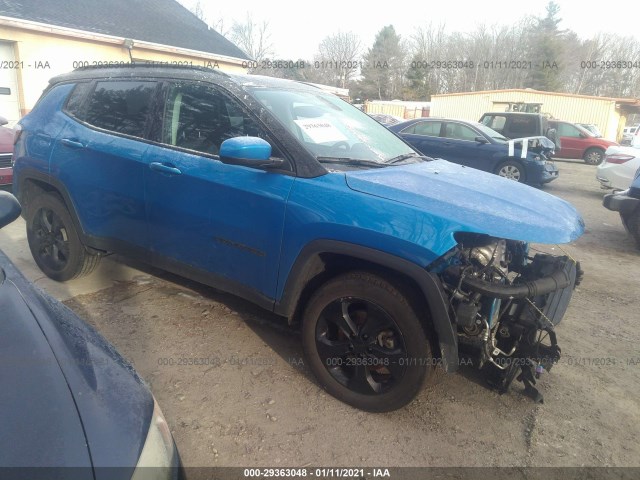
(54,241)
(365,343)
(593,156)
(512,171)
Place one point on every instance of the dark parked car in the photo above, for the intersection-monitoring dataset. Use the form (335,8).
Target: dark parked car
(627,203)
(6,150)
(69,399)
(578,142)
(520,125)
(294,199)
(475,145)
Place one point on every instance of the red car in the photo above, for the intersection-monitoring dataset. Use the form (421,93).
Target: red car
(6,151)
(578,142)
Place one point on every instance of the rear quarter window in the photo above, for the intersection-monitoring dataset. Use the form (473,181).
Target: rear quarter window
(76,99)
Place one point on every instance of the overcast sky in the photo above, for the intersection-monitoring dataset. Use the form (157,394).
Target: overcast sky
(298,27)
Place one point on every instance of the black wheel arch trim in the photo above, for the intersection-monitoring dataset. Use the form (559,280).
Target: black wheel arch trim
(27,174)
(309,259)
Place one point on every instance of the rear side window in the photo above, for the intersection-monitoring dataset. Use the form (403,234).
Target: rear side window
(121,106)
(523,126)
(431,129)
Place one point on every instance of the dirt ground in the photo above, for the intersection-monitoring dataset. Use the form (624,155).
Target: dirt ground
(233,385)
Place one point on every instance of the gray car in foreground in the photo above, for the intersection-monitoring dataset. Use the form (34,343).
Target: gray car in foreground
(70,406)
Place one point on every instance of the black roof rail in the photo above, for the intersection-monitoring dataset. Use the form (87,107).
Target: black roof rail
(152,64)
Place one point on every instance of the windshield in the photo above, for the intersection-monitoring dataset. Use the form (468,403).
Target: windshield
(490,132)
(588,133)
(332,129)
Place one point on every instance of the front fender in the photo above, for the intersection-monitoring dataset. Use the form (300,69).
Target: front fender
(309,261)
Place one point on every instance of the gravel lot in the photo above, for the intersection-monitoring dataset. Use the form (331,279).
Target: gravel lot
(232,382)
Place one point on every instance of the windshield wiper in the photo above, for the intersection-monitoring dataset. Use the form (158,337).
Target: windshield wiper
(351,162)
(401,158)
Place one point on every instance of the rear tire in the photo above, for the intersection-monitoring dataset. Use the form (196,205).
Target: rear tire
(365,343)
(593,156)
(54,241)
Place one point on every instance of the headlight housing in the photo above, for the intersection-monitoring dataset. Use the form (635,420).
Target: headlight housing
(159,458)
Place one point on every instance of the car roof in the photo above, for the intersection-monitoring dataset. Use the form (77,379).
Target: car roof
(513,113)
(212,75)
(439,119)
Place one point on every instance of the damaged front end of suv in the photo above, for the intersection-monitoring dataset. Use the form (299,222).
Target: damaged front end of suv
(505,304)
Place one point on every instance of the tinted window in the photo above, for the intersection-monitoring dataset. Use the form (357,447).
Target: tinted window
(431,129)
(76,99)
(522,125)
(567,130)
(121,106)
(459,132)
(199,117)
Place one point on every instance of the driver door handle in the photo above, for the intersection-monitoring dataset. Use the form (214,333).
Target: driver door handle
(162,168)
(67,142)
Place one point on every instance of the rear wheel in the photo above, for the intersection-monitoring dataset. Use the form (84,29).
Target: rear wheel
(365,343)
(54,241)
(512,171)
(593,156)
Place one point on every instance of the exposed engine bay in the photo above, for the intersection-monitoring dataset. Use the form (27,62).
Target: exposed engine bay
(505,304)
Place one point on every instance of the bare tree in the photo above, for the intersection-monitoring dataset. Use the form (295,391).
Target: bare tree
(252,38)
(338,55)
(220,27)
(198,12)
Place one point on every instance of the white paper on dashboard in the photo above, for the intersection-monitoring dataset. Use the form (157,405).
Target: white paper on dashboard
(320,131)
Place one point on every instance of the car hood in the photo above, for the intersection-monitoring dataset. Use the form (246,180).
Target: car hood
(474,201)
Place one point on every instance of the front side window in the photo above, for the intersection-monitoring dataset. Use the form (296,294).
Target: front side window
(567,130)
(121,106)
(459,132)
(199,117)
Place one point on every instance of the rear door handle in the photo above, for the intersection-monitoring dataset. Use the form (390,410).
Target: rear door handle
(71,143)
(162,168)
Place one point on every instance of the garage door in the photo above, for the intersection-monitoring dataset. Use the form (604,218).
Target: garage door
(9,103)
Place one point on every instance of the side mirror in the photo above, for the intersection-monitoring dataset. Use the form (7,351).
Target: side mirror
(3,121)
(481,139)
(9,208)
(248,152)
(583,135)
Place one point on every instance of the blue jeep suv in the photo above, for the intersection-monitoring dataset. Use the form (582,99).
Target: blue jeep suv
(278,192)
